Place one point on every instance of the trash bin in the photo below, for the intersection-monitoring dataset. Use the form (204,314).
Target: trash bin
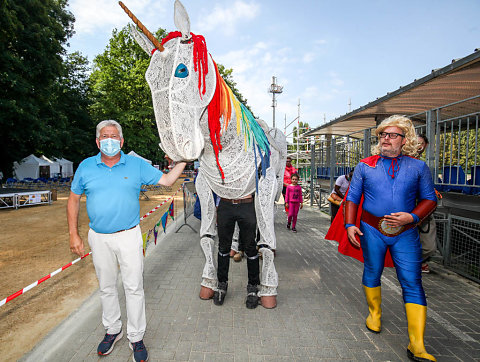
(54,194)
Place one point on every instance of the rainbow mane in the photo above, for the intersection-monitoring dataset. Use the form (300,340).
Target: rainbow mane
(222,105)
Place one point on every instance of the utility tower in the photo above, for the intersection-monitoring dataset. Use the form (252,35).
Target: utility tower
(274,89)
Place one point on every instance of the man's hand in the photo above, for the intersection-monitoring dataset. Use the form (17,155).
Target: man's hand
(351,233)
(76,245)
(168,179)
(286,204)
(396,219)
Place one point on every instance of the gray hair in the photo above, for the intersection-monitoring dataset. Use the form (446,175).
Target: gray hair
(109,122)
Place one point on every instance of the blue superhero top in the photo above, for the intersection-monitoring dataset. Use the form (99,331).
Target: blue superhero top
(391,184)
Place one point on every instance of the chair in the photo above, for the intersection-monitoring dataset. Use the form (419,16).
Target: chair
(143,192)
(339,171)
(454,175)
(475,180)
(11,182)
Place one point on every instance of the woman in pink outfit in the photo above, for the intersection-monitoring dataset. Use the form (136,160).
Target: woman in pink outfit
(293,201)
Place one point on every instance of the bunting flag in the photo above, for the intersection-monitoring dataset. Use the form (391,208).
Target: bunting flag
(149,235)
(164,221)
(171,210)
(144,237)
(155,231)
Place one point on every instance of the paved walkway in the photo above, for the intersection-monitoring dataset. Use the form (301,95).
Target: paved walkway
(320,314)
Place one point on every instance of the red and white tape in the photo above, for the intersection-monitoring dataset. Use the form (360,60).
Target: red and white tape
(27,288)
(159,206)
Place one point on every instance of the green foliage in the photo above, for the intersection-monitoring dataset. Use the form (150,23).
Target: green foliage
(302,147)
(32,36)
(458,148)
(75,128)
(120,92)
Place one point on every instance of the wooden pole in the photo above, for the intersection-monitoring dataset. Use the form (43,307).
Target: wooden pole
(142,27)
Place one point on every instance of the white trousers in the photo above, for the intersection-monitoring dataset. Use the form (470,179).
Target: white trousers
(124,249)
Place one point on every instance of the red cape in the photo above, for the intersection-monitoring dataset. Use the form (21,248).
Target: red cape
(338,233)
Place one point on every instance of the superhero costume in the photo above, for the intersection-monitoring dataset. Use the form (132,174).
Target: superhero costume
(391,185)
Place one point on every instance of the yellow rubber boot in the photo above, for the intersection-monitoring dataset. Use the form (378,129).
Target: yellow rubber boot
(374,299)
(416,318)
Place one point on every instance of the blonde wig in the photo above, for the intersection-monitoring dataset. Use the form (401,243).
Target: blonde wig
(410,148)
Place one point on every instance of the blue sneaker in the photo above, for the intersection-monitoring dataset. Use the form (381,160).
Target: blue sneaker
(139,351)
(106,346)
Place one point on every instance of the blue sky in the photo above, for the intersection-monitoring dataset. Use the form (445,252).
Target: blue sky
(324,53)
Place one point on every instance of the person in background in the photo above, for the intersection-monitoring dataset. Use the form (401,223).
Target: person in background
(338,193)
(289,171)
(293,201)
(428,229)
(111,181)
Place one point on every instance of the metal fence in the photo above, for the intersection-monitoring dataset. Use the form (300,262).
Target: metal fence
(458,241)
(189,198)
(453,154)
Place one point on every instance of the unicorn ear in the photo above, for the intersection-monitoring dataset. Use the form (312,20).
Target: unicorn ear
(142,40)
(182,21)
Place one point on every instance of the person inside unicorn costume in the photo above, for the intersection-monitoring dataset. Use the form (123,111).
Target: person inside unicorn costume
(391,181)
(240,157)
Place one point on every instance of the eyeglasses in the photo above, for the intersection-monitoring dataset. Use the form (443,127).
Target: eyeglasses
(390,135)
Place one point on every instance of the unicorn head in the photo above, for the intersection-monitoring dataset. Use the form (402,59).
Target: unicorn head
(182,80)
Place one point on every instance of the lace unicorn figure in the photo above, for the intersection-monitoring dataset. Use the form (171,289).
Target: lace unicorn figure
(198,117)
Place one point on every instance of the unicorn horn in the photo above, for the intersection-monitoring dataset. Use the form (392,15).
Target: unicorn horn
(142,27)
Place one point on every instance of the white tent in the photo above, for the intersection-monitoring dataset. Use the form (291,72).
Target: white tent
(66,167)
(29,167)
(54,166)
(133,153)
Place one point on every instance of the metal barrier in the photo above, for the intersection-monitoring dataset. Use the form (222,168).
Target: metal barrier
(15,198)
(189,198)
(462,246)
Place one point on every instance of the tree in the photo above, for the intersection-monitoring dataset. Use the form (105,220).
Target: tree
(302,146)
(32,35)
(75,128)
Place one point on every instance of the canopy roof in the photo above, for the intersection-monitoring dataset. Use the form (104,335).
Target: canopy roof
(455,82)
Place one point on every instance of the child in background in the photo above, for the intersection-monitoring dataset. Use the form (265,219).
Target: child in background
(294,201)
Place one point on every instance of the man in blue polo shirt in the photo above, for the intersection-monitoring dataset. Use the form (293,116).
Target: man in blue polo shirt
(111,181)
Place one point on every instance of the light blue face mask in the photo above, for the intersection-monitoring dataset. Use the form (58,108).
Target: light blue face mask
(110,147)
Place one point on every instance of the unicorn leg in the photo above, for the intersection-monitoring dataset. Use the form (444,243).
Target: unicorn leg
(264,208)
(209,274)
(207,232)
(269,280)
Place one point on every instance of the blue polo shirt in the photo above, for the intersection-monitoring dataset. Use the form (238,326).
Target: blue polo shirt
(112,193)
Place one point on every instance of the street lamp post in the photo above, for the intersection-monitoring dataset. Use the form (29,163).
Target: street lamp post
(274,89)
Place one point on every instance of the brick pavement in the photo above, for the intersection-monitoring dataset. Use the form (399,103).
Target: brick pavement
(320,314)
